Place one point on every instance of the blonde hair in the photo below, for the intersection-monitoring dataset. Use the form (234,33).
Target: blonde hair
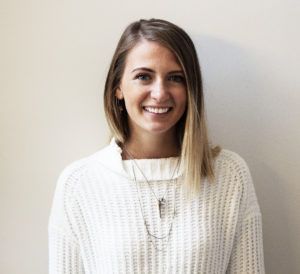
(197,156)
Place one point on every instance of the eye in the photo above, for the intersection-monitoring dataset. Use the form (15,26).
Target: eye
(143,77)
(177,78)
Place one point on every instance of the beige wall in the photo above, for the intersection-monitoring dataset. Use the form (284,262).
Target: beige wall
(54,57)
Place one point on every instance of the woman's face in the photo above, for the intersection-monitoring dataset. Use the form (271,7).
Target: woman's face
(154,90)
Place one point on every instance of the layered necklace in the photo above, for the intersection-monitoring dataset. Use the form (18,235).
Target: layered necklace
(161,202)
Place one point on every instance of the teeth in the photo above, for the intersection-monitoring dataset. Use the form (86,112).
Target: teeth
(156,110)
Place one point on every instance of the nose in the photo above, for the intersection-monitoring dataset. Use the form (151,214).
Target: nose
(159,91)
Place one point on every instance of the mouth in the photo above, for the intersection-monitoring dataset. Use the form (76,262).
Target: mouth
(158,110)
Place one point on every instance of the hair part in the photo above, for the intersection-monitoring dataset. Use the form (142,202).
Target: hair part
(196,154)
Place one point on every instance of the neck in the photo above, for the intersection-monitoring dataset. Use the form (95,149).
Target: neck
(151,147)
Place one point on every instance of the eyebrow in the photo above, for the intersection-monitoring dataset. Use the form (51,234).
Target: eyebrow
(151,70)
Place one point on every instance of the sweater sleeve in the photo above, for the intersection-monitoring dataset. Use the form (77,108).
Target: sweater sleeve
(64,254)
(64,249)
(247,251)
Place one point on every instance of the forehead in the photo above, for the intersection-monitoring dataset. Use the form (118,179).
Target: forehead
(148,53)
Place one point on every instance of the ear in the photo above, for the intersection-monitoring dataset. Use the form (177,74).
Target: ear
(119,94)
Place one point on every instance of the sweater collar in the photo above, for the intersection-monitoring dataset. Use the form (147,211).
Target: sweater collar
(153,169)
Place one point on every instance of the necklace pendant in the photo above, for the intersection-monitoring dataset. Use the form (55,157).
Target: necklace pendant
(161,203)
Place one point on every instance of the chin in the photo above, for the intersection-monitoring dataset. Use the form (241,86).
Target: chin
(159,130)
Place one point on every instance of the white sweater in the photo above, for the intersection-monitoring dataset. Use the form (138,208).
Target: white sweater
(96,223)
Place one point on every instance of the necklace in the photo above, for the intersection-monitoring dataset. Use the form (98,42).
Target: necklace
(161,202)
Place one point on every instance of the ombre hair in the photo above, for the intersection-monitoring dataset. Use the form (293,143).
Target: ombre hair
(196,154)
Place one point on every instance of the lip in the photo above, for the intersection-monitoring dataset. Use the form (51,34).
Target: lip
(150,106)
(157,114)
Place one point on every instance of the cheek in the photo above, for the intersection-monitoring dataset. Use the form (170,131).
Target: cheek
(182,98)
(134,97)
(133,102)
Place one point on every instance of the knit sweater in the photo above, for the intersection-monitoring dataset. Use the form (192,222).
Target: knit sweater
(102,205)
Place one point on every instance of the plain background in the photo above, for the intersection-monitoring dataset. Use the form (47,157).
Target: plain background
(54,59)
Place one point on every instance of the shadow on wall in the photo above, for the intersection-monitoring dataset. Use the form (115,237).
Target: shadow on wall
(237,85)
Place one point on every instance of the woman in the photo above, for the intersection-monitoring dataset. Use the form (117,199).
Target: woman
(158,198)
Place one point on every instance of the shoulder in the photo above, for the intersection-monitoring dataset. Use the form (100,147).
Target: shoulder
(233,173)
(71,174)
(69,183)
(105,160)
(232,161)
(68,180)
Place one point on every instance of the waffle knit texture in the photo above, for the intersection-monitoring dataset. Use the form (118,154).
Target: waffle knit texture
(96,223)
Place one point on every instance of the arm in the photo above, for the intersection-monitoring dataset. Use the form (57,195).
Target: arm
(64,253)
(64,250)
(247,251)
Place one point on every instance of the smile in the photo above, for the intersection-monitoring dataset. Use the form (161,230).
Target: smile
(157,110)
